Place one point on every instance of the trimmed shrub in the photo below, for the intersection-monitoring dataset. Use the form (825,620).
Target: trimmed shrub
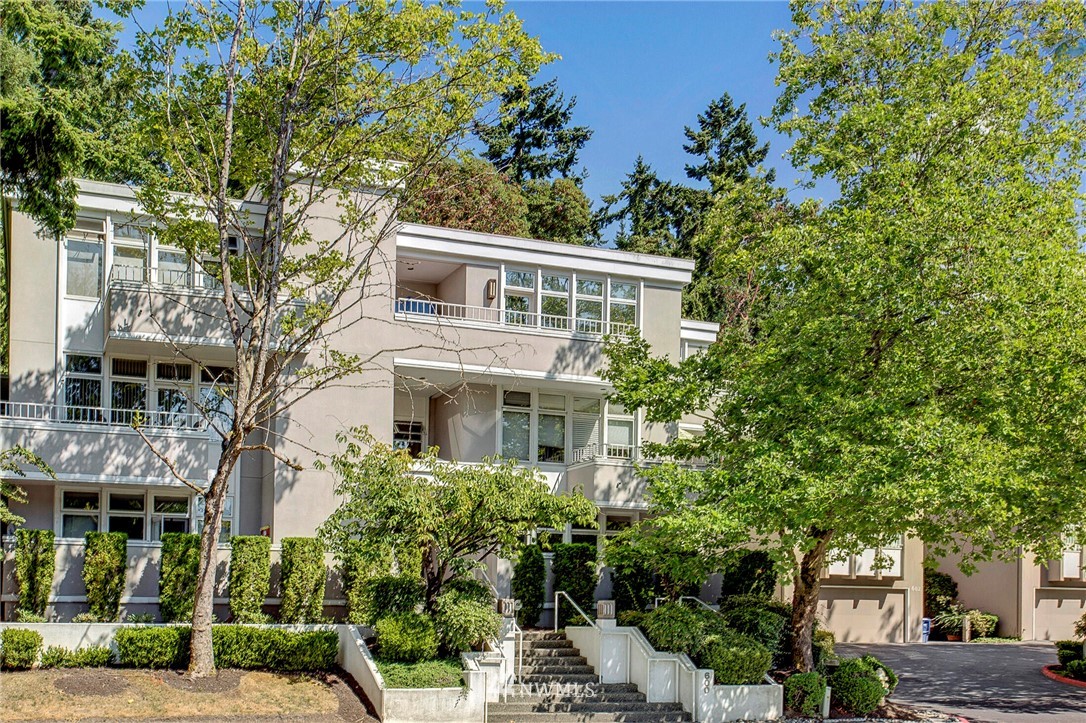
(529,585)
(735,659)
(104,562)
(250,648)
(463,623)
(804,693)
(674,628)
(574,569)
(97,656)
(155,647)
(356,570)
(1068,651)
(982,624)
(764,620)
(407,637)
(442,673)
(302,583)
(35,563)
(751,574)
(1075,669)
(177,577)
(250,577)
(858,686)
(19,648)
(55,656)
(387,595)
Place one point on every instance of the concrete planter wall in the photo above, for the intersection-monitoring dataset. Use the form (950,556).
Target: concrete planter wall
(624,655)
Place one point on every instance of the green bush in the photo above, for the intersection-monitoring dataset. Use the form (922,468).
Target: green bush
(19,648)
(822,646)
(630,618)
(469,588)
(464,623)
(766,621)
(153,647)
(1075,669)
(387,595)
(529,585)
(250,648)
(982,624)
(250,577)
(441,673)
(634,583)
(86,617)
(357,569)
(104,562)
(857,686)
(407,637)
(1080,627)
(574,569)
(302,580)
(751,574)
(735,659)
(35,562)
(674,628)
(940,592)
(1069,651)
(55,656)
(97,656)
(28,616)
(804,693)
(139,618)
(885,673)
(177,577)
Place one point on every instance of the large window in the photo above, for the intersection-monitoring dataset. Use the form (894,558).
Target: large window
(558,428)
(83,387)
(566,301)
(128,390)
(141,514)
(173,382)
(78,512)
(84,274)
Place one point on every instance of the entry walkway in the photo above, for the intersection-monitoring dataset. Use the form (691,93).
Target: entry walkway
(997,683)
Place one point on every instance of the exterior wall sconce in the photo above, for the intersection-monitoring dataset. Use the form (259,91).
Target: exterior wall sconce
(491,289)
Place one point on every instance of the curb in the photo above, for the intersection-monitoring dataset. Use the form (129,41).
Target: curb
(1049,672)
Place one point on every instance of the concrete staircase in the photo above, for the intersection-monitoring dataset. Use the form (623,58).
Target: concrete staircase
(557,684)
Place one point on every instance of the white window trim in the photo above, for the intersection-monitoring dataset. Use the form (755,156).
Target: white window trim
(103,512)
(534,412)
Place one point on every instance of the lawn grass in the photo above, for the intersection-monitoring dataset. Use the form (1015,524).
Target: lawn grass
(440,673)
(995,640)
(32,695)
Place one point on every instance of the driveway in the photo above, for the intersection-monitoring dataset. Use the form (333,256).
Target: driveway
(999,683)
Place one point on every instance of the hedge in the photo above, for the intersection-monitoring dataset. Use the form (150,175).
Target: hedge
(19,648)
(302,580)
(804,693)
(407,638)
(529,585)
(235,646)
(104,562)
(250,577)
(177,576)
(735,659)
(97,656)
(35,563)
(574,569)
(464,623)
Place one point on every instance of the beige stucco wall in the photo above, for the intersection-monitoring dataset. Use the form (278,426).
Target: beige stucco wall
(33,312)
(462,423)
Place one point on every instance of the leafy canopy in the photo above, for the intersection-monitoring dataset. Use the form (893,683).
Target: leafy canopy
(12,463)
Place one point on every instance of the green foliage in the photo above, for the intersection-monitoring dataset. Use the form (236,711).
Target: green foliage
(250,577)
(12,460)
(302,580)
(940,591)
(559,211)
(1080,627)
(97,656)
(19,648)
(824,641)
(633,579)
(804,693)
(139,618)
(105,559)
(357,570)
(575,573)
(387,595)
(764,620)
(451,512)
(653,561)
(177,577)
(982,624)
(88,617)
(677,628)
(529,585)
(441,673)
(468,587)
(35,562)
(533,138)
(464,623)
(407,637)
(470,195)
(751,573)
(724,144)
(255,648)
(860,684)
(1076,669)
(27,616)
(152,647)
(951,620)
(1069,656)
(735,659)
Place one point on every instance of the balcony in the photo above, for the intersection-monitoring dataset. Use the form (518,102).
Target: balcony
(96,444)
(429,311)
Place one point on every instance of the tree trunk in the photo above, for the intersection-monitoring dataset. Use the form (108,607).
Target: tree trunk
(806,586)
(201,654)
(434,574)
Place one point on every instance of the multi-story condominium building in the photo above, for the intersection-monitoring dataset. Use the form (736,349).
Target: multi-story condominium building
(482,345)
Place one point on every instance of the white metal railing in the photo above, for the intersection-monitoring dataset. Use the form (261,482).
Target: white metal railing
(164,277)
(563,594)
(594,452)
(444,311)
(99,415)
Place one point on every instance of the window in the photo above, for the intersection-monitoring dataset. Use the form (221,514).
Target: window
(1071,562)
(885,561)
(173,382)
(169,513)
(129,263)
(519,293)
(690,348)
(128,389)
(589,306)
(408,435)
(78,513)
(83,387)
(586,424)
(127,514)
(517,425)
(623,304)
(173,267)
(535,426)
(84,272)
(554,303)
(620,432)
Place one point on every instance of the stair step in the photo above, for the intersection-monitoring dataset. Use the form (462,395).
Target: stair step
(543,635)
(497,716)
(556,669)
(547,644)
(586,705)
(562,679)
(552,653)
(560,697)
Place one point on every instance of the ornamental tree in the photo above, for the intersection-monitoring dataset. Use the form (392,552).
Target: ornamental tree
(909,359)
(312,112)
(449,514)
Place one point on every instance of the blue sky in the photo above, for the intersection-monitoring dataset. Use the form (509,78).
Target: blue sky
(641,71)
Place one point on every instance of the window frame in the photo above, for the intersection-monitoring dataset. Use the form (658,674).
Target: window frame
(102,515)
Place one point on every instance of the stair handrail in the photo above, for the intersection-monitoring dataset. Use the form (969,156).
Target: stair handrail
(701,602)
(562,593)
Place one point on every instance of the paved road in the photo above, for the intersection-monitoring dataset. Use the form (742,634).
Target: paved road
(983,683)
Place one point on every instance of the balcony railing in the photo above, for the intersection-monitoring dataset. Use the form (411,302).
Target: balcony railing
(164,277)
(425,309)
(624,453)
(106,417)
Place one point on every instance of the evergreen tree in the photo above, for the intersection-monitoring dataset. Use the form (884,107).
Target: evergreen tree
(644,211)
(533,138)
(724,144)
(559,210)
